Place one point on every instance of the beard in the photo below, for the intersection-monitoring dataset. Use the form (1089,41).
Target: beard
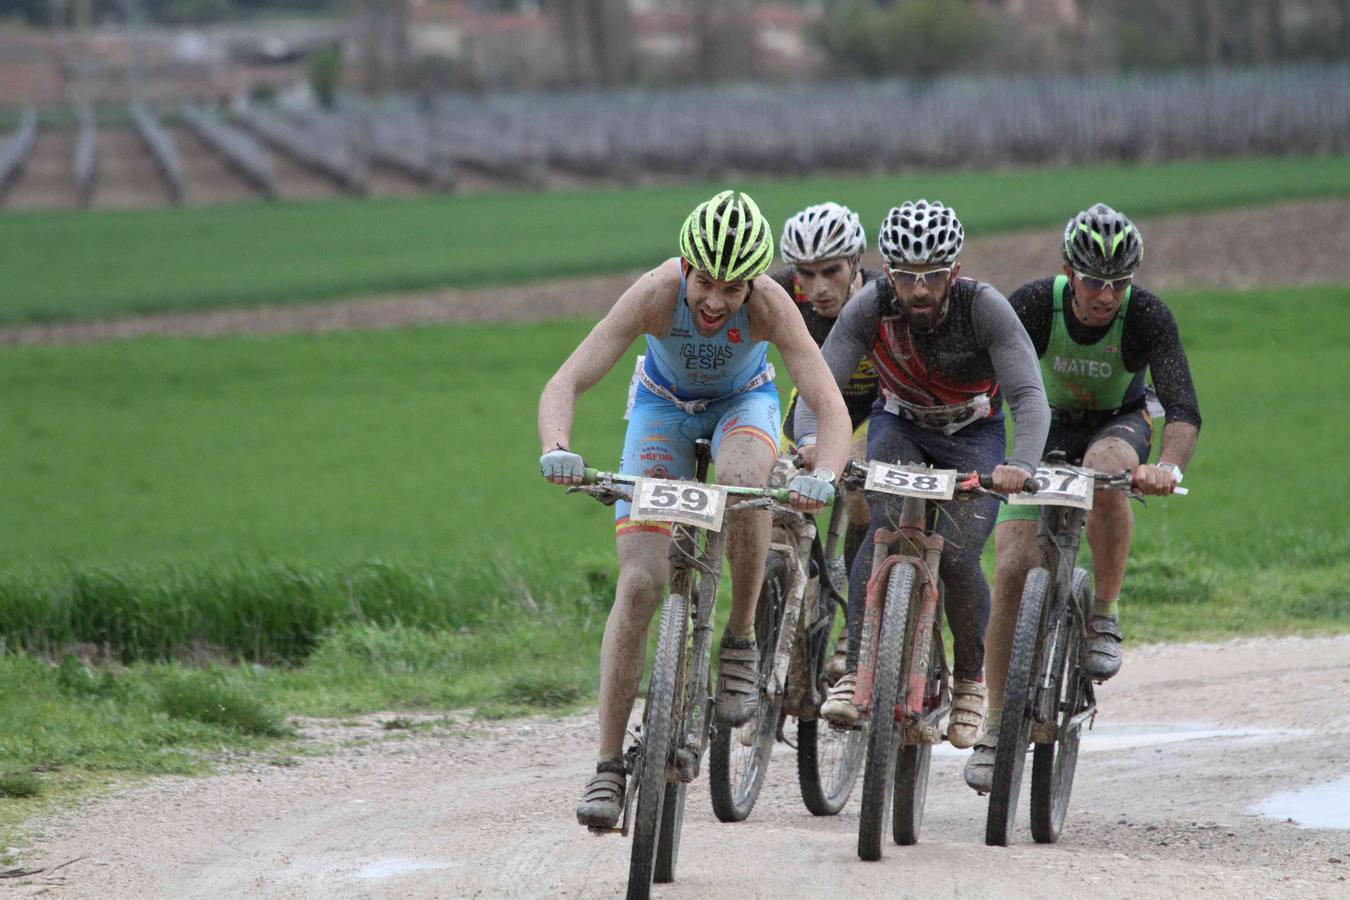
(930,316)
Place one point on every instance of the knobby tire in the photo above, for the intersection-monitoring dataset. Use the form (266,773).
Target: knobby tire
(913,761)
(1053,765)
(1015,727)
(828,759)
(657,740)
(735,780)
(883,735)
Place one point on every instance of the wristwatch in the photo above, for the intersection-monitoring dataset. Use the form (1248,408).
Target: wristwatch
(825,475)
(1172,467)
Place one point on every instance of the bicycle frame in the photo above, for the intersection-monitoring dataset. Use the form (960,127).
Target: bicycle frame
(914,543)
(1058,535)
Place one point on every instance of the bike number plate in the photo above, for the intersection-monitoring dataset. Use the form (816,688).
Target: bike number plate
(911,481)
(687,502)
(1057,487)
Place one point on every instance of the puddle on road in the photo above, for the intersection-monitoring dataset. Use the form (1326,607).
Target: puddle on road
(396,866)
(1315,806)
(1124,736)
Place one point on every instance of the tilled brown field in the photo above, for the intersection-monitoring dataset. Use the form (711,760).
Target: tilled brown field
(1269,246)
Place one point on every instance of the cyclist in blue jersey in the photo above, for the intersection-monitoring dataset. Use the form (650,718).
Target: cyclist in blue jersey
(708,317)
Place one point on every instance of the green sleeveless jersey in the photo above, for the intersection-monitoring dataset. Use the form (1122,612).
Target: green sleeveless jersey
(1084,376)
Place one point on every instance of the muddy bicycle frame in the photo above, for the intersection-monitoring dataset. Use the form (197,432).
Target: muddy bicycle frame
(917,544)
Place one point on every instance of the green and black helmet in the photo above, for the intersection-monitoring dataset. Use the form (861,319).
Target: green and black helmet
(727,238)
(1102,242)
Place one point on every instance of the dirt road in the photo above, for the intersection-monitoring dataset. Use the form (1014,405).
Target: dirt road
(1190,739)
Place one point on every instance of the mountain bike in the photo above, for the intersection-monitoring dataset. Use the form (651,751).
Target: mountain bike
(1048,697)
(904,683)
(794,623)
(667,752)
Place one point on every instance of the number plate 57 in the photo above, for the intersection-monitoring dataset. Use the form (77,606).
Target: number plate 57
(1057,487)
(911,481)
(688,502)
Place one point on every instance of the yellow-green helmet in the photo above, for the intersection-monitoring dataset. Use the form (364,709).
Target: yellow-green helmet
(727,238)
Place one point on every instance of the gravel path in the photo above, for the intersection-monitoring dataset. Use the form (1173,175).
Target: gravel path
(1269,246)
(1190,738)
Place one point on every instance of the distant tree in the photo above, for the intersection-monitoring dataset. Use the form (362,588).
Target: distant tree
(919,38)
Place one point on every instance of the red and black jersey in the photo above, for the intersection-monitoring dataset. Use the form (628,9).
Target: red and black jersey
(939,368)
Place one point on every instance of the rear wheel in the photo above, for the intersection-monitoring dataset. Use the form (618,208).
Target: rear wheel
(668,844)
(657,740)
(883,734)
(912,761)
(740,754)
(828,759)
(1015,730)
(1053,765)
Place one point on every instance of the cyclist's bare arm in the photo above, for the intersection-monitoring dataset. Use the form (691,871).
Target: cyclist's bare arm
(774,318)
(1178,444)
(645,308)
(844,348)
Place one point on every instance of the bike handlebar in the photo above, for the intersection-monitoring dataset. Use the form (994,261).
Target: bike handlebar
(777,495)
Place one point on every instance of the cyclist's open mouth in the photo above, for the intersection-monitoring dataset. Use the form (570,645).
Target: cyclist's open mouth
(708,321)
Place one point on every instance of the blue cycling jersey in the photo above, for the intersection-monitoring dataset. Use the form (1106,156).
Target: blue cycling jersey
(692,366)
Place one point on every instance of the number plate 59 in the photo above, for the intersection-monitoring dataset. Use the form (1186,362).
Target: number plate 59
(1057,487)
(687,502)
(911,481)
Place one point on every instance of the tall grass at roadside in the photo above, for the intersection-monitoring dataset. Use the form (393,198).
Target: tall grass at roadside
(64,265)
(278,613)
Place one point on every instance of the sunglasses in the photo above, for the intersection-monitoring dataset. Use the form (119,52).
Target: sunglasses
(1104,284)
(907,278)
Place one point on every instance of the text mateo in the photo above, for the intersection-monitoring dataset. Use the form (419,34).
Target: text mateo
(1067,365)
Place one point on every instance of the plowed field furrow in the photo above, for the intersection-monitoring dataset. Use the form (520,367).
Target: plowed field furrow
(127,175)
(295,182)
(48,178)
(209,178)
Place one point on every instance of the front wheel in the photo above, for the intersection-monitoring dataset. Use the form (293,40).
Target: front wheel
(1018,705)
(828,759)
(1053,765)
(739,756)
(658,725)
(883,733)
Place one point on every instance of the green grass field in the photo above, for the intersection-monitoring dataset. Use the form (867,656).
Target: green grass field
(265,478)
(76,265)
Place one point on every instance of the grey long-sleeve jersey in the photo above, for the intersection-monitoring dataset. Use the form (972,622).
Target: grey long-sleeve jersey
(980,347)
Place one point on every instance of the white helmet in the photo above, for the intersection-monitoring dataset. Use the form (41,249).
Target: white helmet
(824,231)
(919,233)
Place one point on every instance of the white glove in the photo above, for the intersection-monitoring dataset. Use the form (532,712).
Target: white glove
(812,488)
(562,463)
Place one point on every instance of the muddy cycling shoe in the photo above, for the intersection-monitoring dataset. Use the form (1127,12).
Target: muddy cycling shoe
(1104,652)
(737,680)
(980,766)
(839,708)
(602,801)
(967,718)
(837,664)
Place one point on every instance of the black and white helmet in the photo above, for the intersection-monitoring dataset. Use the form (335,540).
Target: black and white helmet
(823,231)
(917,233)
(1100,241)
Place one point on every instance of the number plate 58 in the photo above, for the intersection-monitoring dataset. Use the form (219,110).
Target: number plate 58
(688,502)
(911,481)
(1057,487)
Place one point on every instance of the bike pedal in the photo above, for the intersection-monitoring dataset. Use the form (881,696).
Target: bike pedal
(597,831)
